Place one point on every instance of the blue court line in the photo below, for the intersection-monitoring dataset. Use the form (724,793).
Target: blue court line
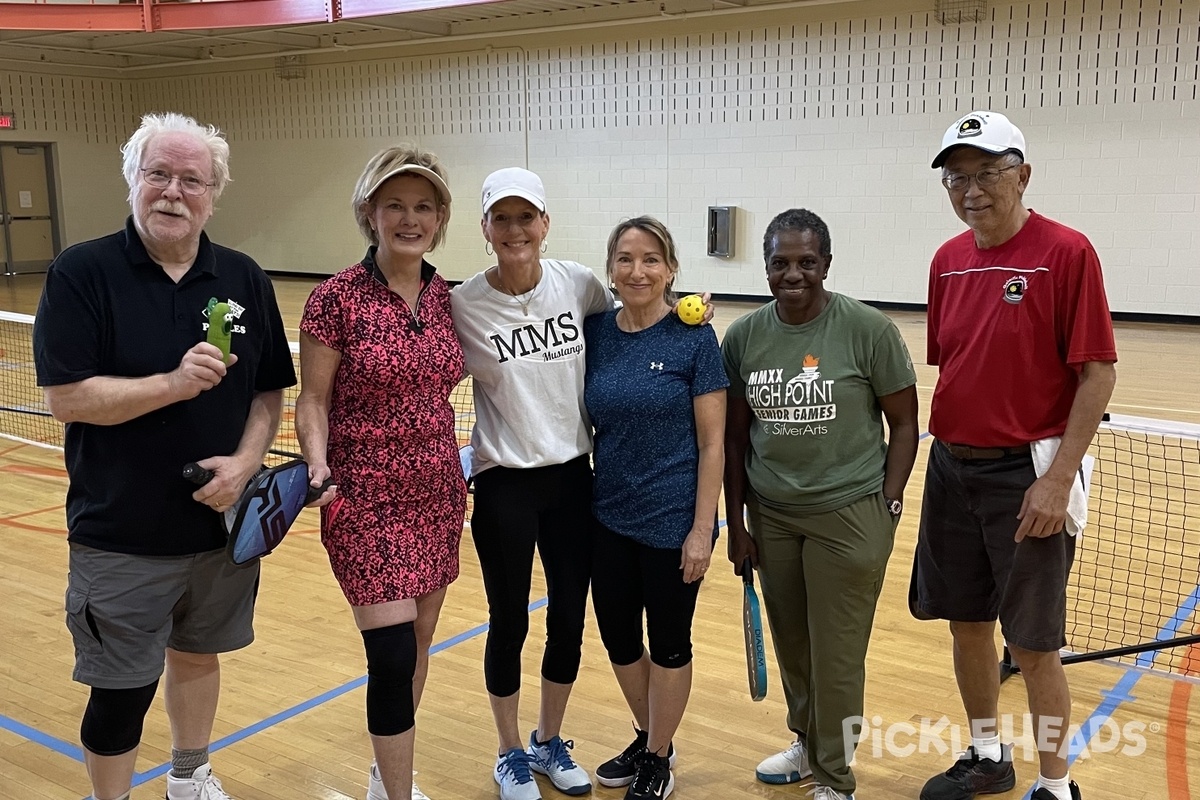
(233,738)
(1123,690)
(1171,629)
(44,739)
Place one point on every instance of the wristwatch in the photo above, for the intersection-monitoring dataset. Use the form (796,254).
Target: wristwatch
(894,507)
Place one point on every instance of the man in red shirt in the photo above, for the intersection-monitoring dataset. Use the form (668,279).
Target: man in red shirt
(1019,327)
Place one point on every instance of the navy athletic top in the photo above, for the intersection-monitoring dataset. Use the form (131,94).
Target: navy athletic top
(639,390)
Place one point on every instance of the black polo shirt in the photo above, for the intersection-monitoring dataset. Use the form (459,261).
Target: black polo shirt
(108,309)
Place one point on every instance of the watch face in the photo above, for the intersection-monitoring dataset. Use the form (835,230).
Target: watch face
(894,507)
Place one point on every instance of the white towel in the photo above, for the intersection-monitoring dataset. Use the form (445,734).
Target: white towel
(1044,451)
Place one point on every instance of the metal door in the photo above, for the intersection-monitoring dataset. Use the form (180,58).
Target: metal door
(28,233)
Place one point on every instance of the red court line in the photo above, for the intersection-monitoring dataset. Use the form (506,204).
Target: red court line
(11,521)
(12,449)
(41,472)
(1177,725)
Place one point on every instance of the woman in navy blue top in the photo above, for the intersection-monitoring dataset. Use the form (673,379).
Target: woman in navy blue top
(655,392)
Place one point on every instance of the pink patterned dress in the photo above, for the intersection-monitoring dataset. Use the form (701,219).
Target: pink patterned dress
(393,531)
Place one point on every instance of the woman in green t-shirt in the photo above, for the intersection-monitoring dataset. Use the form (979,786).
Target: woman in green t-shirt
(812,377)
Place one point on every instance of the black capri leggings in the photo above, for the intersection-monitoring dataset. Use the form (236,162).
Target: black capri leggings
(629,577)
(514,510)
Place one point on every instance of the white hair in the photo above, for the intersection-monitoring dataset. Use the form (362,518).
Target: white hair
(172,122)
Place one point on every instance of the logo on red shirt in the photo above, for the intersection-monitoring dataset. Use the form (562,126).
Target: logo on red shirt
(1014,289)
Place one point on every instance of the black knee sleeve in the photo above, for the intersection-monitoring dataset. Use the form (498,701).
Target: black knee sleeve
(391,664)
(112,722)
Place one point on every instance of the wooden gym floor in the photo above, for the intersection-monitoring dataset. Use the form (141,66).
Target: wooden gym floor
(291,720)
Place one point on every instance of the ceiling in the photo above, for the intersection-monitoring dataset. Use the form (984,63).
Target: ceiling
(429,21)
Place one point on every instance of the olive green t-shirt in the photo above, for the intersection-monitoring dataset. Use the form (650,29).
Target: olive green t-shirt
(816,434)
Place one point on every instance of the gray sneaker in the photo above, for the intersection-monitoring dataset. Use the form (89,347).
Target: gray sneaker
(513,777)
(553,759)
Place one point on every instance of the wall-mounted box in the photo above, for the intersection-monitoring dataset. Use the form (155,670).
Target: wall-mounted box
(721,220)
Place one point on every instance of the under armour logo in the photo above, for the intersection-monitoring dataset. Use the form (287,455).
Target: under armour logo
(656,365)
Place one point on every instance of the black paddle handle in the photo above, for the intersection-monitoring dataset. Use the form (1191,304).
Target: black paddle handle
(197,474)
(200,476)
(747,571)
(316,491)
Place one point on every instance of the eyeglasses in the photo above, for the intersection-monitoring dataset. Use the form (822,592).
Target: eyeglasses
(187,184)
(957,181)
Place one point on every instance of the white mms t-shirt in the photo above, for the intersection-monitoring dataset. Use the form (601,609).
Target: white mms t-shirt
(528,368)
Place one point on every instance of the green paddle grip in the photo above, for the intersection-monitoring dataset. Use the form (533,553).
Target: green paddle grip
(220,329)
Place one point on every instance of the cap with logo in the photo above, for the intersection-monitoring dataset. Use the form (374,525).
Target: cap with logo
(413,169)
(513,182)
(985,130)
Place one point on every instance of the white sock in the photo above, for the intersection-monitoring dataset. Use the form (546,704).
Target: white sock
(1059,787)
(989,748)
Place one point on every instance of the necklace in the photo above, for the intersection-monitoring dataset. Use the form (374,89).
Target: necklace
(522,299)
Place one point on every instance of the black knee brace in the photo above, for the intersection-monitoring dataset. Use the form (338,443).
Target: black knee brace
(391,664)
(112,722)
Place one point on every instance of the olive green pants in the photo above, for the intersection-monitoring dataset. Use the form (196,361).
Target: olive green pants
(820,576)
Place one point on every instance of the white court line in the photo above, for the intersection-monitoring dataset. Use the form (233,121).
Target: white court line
(1157,408)
(31,442)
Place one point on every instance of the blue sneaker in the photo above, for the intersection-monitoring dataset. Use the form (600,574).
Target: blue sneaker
(514,778)
(553,760)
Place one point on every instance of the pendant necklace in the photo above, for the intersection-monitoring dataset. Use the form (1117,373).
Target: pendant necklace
(523,300)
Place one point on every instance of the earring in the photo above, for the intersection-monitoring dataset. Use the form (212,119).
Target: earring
(487,248)
(545,245)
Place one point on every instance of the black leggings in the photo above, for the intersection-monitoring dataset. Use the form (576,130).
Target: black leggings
(514,510)
(629,578)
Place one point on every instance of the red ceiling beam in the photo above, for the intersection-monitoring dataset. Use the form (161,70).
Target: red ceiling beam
(148,15)
(44,17)
(353,9)
(239,14)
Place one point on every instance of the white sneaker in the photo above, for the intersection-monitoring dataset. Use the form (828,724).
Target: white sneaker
(828,793)
(203,785)
(553,759)
(375,790)
(514,778)
(790,766)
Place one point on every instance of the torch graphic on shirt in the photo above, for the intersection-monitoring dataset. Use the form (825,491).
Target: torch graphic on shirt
(808,372)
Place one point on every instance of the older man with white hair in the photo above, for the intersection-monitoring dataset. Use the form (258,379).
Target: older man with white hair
(121,353)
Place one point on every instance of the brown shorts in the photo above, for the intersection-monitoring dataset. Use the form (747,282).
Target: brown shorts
(967,567)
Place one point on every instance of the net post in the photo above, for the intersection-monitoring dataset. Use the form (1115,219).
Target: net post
(1008,667)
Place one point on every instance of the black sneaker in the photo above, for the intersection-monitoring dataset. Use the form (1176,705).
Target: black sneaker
(972,775)
(653,780)
(1046,794)
(619,771)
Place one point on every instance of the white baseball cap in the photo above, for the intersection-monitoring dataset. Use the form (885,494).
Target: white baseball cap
(986,130)
(414,169)
(513,182)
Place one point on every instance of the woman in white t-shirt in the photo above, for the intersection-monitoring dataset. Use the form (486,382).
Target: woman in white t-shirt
(521,327)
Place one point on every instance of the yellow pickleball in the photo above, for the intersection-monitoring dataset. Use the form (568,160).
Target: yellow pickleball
(691,309)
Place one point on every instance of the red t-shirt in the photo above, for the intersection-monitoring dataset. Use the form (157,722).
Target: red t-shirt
(1010,328)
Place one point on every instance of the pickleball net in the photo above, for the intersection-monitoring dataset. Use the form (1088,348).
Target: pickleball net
(1135,587)
(25,419)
